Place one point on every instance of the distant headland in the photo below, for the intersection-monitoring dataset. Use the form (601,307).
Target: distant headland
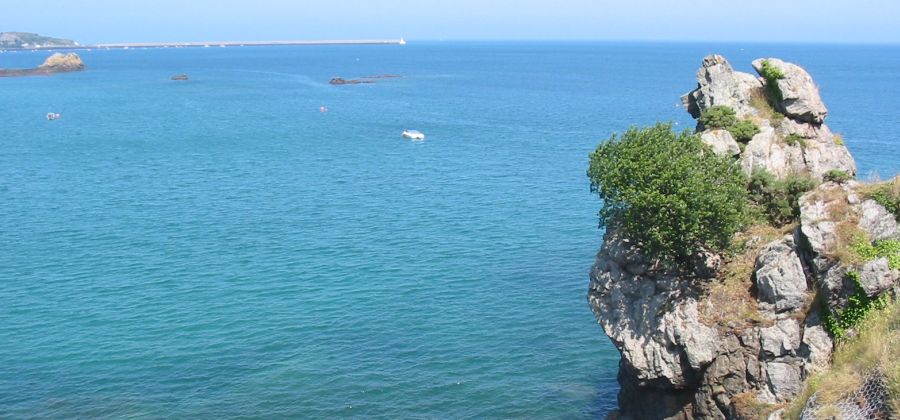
(30,41)
(27,40)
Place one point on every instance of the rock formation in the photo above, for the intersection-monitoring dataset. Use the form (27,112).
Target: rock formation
(796,141)
(682,357)
(56,63)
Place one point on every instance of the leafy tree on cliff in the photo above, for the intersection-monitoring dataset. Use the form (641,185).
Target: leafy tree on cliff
(668,191)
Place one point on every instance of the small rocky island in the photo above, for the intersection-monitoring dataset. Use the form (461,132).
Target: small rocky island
(737,332)
(56,63)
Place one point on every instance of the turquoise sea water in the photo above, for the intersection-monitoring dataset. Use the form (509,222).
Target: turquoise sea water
(220,248)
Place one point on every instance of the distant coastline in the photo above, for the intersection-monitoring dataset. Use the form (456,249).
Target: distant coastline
(208,44)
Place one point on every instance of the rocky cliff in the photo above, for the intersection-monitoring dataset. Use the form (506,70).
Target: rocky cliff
(745,330)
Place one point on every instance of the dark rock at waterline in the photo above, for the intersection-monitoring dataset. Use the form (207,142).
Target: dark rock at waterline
(342,81)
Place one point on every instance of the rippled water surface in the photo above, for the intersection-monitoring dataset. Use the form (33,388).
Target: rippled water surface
(219,247)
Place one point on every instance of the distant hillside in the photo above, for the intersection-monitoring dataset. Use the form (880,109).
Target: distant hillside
(29,40)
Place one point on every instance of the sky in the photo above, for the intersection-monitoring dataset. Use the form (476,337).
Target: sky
(105,21)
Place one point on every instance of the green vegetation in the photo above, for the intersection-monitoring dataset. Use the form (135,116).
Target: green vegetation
(743,131)
(887,194)
(875,349)
(718,116)
(794,139)
(858,307)
(885,248)
(778,201)
(837,175)
(668,192)
(721,116)
(838,139)
(772,75)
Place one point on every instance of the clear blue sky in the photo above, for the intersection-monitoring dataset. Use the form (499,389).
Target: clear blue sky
(92,21)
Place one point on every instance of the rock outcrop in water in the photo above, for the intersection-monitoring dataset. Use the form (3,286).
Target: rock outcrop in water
(56,63)
(693,348)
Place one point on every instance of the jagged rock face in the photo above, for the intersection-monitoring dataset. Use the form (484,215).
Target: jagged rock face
(663,345)
(822,211)
(800,96)
(62,63)
(719,84)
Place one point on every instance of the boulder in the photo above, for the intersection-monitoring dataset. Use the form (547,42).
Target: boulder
(719,84)
(800,96)
(721,141)
(780,278)
(781,339)
(785,379)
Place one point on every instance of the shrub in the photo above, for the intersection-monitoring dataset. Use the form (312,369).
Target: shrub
(668,191)
(718,116)
(778,201)
(772,75)
(887,248)
(858,306)
(743,131)
(887,194)
(794,139)
(837,175)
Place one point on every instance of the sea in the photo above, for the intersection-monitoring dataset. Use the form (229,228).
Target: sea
(222,248)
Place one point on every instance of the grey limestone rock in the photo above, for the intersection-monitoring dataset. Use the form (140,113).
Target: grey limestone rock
(779,276)
(719,84)
(800,95)
(721,141)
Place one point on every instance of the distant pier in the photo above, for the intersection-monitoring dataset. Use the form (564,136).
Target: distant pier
(208,44)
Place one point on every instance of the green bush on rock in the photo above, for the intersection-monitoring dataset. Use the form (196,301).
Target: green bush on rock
(837,175)
(668,191)
(718,116)
(778,201)
(743,131)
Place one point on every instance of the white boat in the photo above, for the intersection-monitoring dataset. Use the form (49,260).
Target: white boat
(413,135)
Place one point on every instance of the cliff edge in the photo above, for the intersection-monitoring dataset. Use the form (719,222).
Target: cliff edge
(737,335)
